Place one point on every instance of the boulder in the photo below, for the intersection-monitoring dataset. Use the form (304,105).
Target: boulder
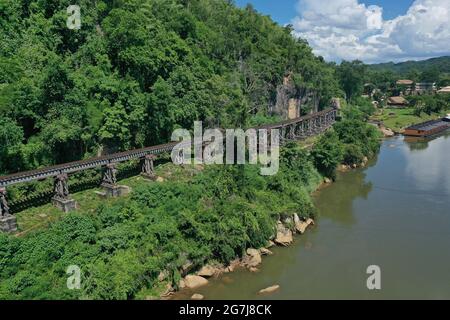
(233,265)
(160,179)
(208,271)
(253,269)
(168,291)
(364,161)
(192,281)
(387,132)
(270,244)
(300,225)
(265,252)
(197,296)
(182,284)
(284,235)
(252,259)
(252,252)
(327,180)
(310,222)
(269,289)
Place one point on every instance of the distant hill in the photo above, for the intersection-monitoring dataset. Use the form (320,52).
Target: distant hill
(441,63)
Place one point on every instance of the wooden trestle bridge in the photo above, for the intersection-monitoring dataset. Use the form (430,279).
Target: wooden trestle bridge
(294,129)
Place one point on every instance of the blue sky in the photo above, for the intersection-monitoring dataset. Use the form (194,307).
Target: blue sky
(283,11)
(368,30)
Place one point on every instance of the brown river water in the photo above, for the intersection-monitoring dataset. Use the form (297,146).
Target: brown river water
(395,214)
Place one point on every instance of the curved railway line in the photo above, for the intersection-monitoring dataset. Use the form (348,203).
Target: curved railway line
(289,130)
(294,129)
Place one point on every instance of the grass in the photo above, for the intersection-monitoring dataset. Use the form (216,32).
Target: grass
(37,218)
(399,119)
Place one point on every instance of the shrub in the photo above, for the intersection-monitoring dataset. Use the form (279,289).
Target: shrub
(327,153)
(352,154)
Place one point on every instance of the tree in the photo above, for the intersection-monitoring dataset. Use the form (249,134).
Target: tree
(351,76)
(327,153)
(430,75)
(114,131)
(11,137)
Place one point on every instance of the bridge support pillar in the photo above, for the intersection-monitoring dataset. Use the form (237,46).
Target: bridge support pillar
(109,183)
(8,222)
(62,199)
(148,169)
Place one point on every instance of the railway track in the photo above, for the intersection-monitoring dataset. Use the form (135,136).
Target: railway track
(287,129)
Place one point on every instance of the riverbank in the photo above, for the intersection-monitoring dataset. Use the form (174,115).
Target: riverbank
(250,261)
(288,230)
(143,244)
(369,216)
(397,119)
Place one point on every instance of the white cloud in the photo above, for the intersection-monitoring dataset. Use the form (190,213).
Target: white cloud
(346,29)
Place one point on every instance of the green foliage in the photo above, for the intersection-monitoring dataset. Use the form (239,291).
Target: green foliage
(327,154)
(352,154)
(121,247)
(358,133)
(351,140)
(415,67)
(359,108)
(351,76)
(430,103)
(135,71)
(11,137)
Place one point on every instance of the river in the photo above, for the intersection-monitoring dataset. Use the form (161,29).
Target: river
(395,214)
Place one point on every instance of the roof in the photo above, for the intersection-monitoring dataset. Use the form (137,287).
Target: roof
(397,100)
(425,84)
(428,125)
(405,82)
(444,90)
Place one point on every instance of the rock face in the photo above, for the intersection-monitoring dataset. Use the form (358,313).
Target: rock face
(269,289)
(284,235)
(197,296)
(192,281)
(252,259)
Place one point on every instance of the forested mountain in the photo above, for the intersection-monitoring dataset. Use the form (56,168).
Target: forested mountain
(136,70)
(442,64)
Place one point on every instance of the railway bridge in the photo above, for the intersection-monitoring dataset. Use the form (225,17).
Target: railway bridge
(294,129)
